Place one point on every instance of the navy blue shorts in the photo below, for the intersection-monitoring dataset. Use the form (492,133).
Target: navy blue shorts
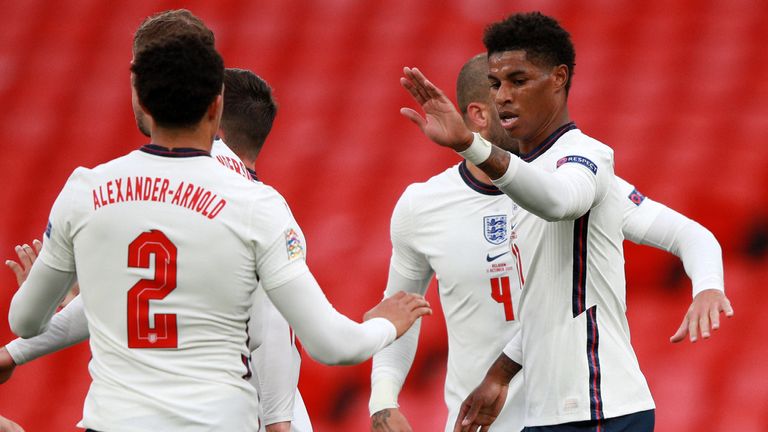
(642,421)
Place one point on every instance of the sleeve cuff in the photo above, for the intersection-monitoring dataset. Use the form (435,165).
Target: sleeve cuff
(384,394)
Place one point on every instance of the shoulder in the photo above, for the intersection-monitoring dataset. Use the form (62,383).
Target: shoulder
(433,188)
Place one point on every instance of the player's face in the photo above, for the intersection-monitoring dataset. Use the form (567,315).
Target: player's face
(142,120)
(526,96)
(496,134)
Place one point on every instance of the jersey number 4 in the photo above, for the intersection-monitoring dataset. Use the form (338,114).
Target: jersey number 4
(141,334)
(500,289)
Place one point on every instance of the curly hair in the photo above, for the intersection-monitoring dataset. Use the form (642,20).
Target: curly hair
(249,111)
(177,79)
(170,23)
(541,37)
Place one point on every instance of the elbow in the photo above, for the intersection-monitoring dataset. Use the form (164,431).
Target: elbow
(23,328)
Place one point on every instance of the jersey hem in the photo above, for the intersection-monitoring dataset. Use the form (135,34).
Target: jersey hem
(585,416)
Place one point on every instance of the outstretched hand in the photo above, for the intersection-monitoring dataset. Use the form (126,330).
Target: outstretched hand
(27,256)
(442,122)
(401,309)
(703,315)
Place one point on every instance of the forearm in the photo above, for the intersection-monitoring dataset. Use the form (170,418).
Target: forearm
(37,299)
(68,327)
(328,336)
(503,370)
(562,195)
(277,365)
(392,364)
(696,247)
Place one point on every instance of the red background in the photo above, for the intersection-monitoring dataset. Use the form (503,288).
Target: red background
(677,87)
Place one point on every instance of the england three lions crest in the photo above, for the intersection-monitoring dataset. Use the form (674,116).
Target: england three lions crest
(495,229)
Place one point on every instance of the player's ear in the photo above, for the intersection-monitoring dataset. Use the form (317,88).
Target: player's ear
(560,76)
(216,108)
(477,114)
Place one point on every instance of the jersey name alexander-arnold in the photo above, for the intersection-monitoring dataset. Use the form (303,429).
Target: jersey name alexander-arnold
(158,189)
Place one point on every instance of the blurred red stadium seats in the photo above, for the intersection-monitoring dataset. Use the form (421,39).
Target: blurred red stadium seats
(676,87)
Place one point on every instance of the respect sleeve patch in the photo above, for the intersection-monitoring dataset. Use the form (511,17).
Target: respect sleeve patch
(293,245)
(579,160)
(636,197)
(48,229)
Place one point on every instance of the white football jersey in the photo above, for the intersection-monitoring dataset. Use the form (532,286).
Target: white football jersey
(461,229)
(168,247)
(577,358)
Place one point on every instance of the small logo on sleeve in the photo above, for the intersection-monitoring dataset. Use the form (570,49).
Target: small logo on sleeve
(48,229)
(293,245)
(579,160)
(636,197)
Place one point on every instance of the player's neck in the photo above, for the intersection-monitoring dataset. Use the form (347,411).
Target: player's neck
(478,174)
(559,119)
(197,138)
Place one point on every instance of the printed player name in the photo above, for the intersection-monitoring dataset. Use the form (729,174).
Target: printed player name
(158,189)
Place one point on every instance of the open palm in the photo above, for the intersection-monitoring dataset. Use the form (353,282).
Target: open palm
(441,123)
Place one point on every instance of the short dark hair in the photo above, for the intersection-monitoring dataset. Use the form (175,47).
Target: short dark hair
(170,23)
(177,79)
(472,82)
(541,37)
(249,111)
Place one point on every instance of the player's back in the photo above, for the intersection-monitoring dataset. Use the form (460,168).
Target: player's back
(165,247)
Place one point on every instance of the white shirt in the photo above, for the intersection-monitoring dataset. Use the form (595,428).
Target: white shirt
(283,359)
(574,345)
(460,230)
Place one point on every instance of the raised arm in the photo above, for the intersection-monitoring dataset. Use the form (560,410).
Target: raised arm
(567,193)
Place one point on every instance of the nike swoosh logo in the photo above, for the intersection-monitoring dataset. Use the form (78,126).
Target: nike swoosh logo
(490,258)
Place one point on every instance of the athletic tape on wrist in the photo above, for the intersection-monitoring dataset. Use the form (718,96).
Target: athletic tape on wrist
(478,152)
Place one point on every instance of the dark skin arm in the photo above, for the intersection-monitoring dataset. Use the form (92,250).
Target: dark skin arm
(484,404)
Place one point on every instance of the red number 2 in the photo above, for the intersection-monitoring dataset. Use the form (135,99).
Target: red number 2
(141,334)
(502,294)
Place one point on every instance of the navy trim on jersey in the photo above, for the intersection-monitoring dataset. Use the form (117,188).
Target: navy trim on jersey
(580,232)
(475,184)
(179,152)
(593,360)
(253,174)
(579,306)
(544,146)
(642,421)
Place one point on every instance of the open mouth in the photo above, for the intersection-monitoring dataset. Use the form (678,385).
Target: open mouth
(507,119)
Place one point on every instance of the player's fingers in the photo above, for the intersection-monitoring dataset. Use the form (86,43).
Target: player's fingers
(704,325)
(38,245)
(420,83)
(414,117)
(23,258)
(420,312)
(693,333)
(411,88)
(17,270)
(727,308)
(471,415)
(485,429)
(458,426)
(714,316)
(30,252)
(681,331)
